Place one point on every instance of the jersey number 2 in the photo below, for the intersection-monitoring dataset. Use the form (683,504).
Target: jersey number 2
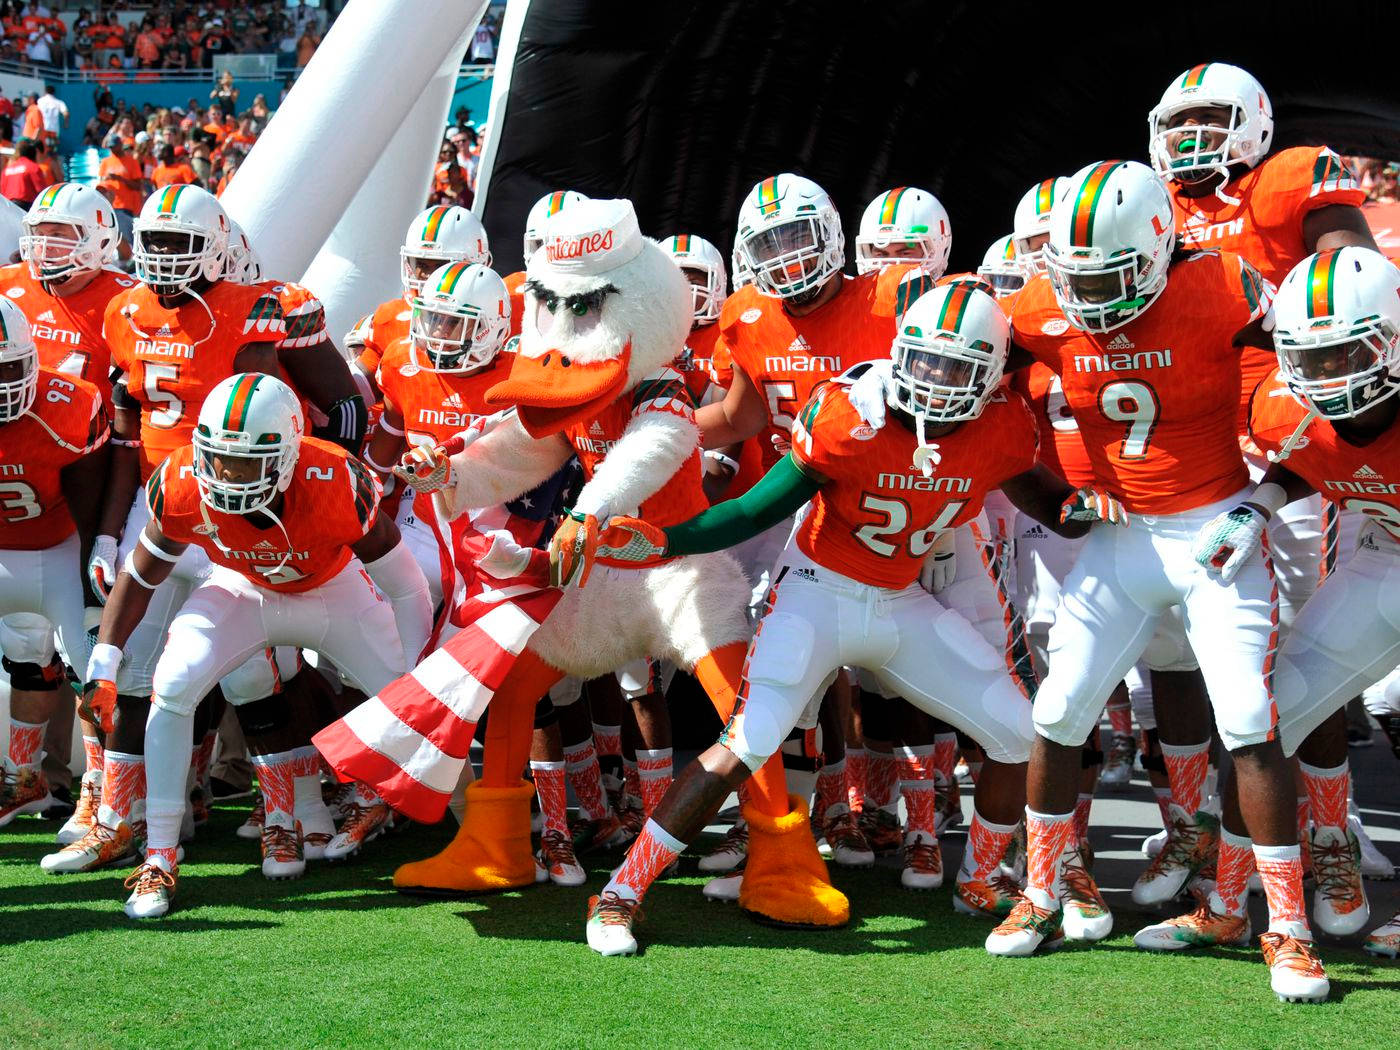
(896,515)
(1129,401)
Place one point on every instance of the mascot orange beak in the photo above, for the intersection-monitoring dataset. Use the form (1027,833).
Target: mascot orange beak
(550,392)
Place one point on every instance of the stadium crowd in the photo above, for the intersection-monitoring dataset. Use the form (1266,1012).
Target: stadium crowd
(988,533)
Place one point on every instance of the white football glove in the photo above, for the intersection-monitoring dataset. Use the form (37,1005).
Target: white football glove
(1091,505)
(102,567)
(781,444)
(867,392)
(505,558)
(1229,540)
(940,564)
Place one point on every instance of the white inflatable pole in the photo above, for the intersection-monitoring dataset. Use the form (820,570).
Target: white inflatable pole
(334,125)
(358,266)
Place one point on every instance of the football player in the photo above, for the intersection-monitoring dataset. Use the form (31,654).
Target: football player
(50,423)
(1327,419)
(1001,268)
(1030,227)
(292,529)
(904,225)
(856,585)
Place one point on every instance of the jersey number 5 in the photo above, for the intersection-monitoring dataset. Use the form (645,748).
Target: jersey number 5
(168,416)
(1135,403)
(896,515)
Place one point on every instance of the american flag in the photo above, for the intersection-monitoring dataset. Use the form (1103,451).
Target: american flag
(410,741)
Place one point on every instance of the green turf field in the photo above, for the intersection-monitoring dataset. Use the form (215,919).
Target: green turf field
(338,959)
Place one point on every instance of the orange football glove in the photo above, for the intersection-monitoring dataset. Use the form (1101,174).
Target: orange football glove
(632,540)
(100,703)
(573,550)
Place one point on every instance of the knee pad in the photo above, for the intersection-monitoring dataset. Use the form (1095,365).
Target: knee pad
(27,638)
(1168,649)
(260,676)
(566,691)
(263,716)
(33,677)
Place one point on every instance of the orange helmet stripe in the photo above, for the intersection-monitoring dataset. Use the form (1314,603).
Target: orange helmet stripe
(768,195)
(170,198)
(556,201)
(1045,197)
(891,206)
(682,243)
(239,398)
(1009,252)
(432,225)
(1321,273)
(451,277)
(1195,75)
(955,306)
(1081,229)
(46,198)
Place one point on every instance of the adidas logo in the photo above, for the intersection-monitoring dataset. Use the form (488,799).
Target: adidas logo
(1033,531)
(48,316)
(805,573)
(799,345)
(1365,473)
(596,430)
(452,401)
(164,331)
(265,545)
(1121,342)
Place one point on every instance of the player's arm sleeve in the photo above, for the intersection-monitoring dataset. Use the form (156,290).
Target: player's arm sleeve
(1332,183)
(776,496)
(265,322)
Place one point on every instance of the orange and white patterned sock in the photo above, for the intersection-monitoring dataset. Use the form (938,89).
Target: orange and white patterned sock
(608,740)
(277,776)
(1281,872)
(919,788)
(1328,792)
(169,854)
(585,777)
(1120,715)
(631,779)
(652,853)
(832,795)
(1082,806)
(1163,798)
(986,845)
(1232,871)
(549,788)
(881,774)
(1047,837)
(1187,765)
(855,778)
(123,784)
(92,753)
(203,756)
(26,742)
(654,773)
(945,755)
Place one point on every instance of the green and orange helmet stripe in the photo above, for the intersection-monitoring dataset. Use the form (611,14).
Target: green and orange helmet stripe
(1009,252)
(239,398)
(1045,196)
(890,208)
(768,195)
(1322,272)
(680,244)
(955,305)
(432,224)
(50,195)
(1081,228)
(169,198)
(1195,75)
(556,201)
(447,284)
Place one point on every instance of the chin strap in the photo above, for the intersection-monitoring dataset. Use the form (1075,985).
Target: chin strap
(1286,449)
(926,456)
(129,313)
(213,533)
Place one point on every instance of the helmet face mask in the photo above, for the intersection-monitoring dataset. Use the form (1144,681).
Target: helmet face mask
(241,471)
(170,261)
(1212,117)
(233,478)
(55,250)
(1095,293)
(179,239)
(19,382)
(415,268)
(949,356)
(1002,269)
(789,259)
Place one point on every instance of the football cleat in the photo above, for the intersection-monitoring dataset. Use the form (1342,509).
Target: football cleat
(556,857)
(152,887)
(993,898)
(1191,845)
(1339,906)
(1295,971)
(282,851)
(1117,770)
(609,925)
(1027,928)
(103,844)
(881,830)
(730,853)
(252,827)
(608,833)
(365,823)
(22,791)
(724,889)
(1202,928)
(923,863)
(1153,845)
(1087,917)
(849,846)
(85,812)
(1374,864)
(1384,940)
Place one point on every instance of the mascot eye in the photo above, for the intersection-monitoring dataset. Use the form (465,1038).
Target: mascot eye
(550,302)
(579,308)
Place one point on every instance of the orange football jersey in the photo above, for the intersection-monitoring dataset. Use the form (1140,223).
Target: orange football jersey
(388,323)
(898,286)
(876,517)
(330,504)
(172,358)
(68,329)
(681,497)
(435,405)
(515,286)
(1362,478)
(1266,225)
(696,362)
(1157,399)
(785,357)
(1062,446)
(33,512)
(302,312)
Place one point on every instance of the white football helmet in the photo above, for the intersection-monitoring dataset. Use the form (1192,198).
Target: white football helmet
(1189,152)
(540,212)
(19,363)
(1337,331)
(1031,226)
(790,237)
(91,245)
(252,425)
(241,263)
(904,225)
(695,255)
(461,319)
(1111,240)
(441,234)
(1001,268)
(738,273)
(180,237)
(949,355)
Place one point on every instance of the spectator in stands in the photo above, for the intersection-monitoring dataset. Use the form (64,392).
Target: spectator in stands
(23,179)
(33,125)
(450,185)
(242,138)
(170,169)
(214,124)
(47,158)
(1388,184)
(147,45)
(231,163)
(54,113)
(124,130)
(225,93)
(483,47)
(259,112)
(215,42)
(40,46)
(120,179)
(307,44)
